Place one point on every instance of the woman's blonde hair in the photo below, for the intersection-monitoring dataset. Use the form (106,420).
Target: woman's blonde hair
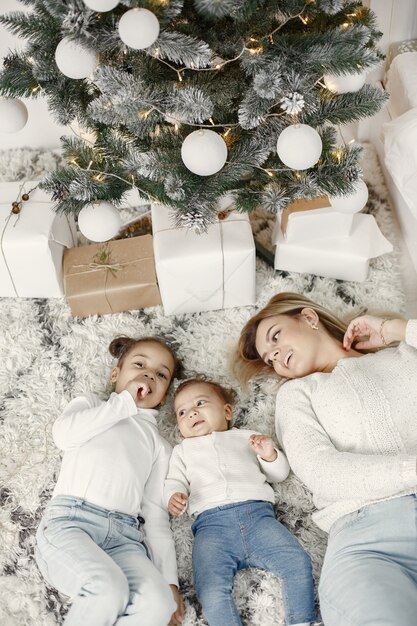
(247,362)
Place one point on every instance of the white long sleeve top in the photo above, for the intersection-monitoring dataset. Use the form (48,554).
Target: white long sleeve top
(351,435)
(221,468)
(114,457)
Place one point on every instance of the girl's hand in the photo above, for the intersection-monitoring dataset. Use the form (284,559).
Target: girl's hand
(264,446)
(376,329)
(133,387)
(177,503)
(178,615)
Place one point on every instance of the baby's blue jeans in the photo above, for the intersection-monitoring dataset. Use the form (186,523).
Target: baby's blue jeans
(369,575)
(97,557)
(232,537)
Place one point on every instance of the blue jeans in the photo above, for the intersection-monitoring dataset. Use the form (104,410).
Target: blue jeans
(98,558)
(369,575)
(246,534)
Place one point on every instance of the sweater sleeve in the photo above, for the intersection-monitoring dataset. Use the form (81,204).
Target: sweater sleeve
(177,475)
(275,471)
(411,333)
(158,533)
(330,474)
(87,416)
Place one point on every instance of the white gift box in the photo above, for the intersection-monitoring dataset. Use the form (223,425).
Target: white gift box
(32,243)
(344,258)
(304,220)
(214,270)
(314,224)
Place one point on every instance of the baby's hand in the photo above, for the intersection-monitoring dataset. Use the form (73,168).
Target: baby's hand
(264,446)
(177,503)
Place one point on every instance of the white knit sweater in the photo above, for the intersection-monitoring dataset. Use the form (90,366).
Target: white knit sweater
(351,435)
(221,468)
(114,457)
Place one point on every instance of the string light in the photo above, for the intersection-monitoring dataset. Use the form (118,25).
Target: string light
(255,50)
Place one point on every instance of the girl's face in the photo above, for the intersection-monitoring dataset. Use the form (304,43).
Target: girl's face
(151,365)
(290,344)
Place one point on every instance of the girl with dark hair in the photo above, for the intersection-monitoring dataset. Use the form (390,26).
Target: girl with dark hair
(105,539)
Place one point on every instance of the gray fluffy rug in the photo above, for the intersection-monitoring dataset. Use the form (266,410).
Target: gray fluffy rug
(47,357)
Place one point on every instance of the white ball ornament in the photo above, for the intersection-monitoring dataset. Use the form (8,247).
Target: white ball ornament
(74,60)
(101,5)
(204,152)
(99,221)
(299,146)
(138,28)
(354,202)
(344,83)
(13,115)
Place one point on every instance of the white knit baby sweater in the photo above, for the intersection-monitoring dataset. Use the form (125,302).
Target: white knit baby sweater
(221,468)
(351,435)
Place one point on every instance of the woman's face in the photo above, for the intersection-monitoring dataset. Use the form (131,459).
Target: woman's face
(290,344)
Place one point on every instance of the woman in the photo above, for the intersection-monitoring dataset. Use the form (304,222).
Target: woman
(347,420)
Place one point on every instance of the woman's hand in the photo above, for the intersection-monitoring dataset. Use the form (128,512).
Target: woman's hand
(379,332)
(264,446)
(178,615)
(177,503)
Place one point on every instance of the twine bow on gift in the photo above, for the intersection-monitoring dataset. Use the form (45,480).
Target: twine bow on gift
(102,261)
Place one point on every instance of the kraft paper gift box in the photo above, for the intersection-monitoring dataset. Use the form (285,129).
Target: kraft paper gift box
(112,277)
(32,243)
(307,219)
(344,258)
(214,270)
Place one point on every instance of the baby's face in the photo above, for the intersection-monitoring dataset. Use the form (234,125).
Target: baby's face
(200,410)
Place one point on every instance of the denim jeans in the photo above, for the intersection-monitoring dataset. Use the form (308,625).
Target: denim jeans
(98,558)
(369,575)
(232,537)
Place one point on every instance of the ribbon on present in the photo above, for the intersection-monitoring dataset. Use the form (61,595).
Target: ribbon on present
(102,260)
(6,265)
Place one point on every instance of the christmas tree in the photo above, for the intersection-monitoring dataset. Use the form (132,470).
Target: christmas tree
(189,100)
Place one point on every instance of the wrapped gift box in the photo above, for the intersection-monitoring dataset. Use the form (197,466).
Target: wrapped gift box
(32,243)
(112,277)
(214,270)
(304,220)
(345,258)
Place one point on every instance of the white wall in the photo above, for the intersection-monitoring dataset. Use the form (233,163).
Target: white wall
(397,20)
(41,131)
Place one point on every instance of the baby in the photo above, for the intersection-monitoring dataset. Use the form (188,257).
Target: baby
(222,475)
